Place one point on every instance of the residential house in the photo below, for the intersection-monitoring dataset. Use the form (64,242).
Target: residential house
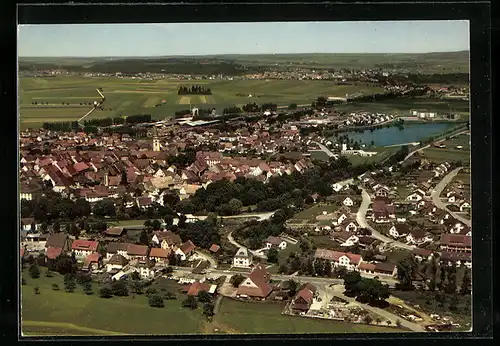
(381,190)
(348,225)
(388,269)
(114,248)
(382,211)
(464,206)
(346,239)
(214,248)
(159,255)
(34,241)
(256,285)
(185,250)
(115,232)
(92,262)
(83,248)
(367,268)
(345,259)
(242,258)
(137,252)
(399,230)
(422,254)
(147,269)
(418,237)
(197,287)
(303,299)
(167,239)
(59,241)
(366,241)
(116,262)
(457,258)
(275,242)
(29,224)
(348,202)
(416,196)
(456,242)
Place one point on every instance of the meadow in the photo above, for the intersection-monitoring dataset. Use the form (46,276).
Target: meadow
(130,96)
(70,314)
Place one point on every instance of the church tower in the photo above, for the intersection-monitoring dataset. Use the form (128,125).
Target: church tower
(156,140)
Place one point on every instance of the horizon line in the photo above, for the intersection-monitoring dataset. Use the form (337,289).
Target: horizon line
(237,54)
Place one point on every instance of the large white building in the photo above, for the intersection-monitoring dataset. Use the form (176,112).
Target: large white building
(242,259)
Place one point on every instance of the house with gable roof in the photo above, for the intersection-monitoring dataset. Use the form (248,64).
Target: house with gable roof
(256,285)
(242,258)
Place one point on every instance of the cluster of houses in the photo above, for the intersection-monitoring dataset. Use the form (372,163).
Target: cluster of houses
(365,119)
(113,256)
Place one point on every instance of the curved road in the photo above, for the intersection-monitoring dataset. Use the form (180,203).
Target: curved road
(238,245)
(436,192)
(361,219)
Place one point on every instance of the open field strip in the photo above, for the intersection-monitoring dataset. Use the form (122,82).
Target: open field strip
(135,92)
(60,328)
(184,100)
(151,101)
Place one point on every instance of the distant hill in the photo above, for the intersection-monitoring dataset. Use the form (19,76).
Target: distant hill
(236,64)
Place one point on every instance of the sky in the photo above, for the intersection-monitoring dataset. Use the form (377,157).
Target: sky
(121,40)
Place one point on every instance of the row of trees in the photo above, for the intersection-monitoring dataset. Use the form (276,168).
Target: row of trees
(65,126)
(194,90)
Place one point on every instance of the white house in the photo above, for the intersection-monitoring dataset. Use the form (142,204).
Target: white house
(416,196)
(348,202)
(418,237)
(242,259)
(116,262)
(185,250)
(275,242)
(464,206)
(336,187)
(340,219)
(351,241)
(399,230)
(83,248)
(115,248)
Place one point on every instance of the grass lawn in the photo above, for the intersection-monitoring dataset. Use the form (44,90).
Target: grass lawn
(266,318)
(448,154)
(283,254)
(315,210)
(124,223)
(76,313)
(395,255)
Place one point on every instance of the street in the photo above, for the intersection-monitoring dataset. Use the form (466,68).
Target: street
(439,189)
(361,219)
(326,150)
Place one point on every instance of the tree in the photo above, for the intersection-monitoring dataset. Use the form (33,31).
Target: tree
(235,205)
(204,297)
(351,280)
(292,287)
(208,309)
(398,323)
(56,227)
(36,290)
(169,220)
(465,287)
(272,255)
(151,291)
(73,230)
(105,292)
(327,270)
(70,285)
(292,106)
(190,302)
(406,269)
(144,239)
(236,280)
(367,319)
(34,271)
(55,287)
(23,281)
(156,301)
(106,207)
(87,288)
(119,289)
(156,225)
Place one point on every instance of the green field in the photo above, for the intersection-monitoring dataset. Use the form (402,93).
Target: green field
(309,215)
(130,96)
(266,318)
(404,106)
(123,315)
(61,313)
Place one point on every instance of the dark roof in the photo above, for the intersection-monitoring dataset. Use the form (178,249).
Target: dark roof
(137,250)
(456,240)
(115,247)
(57,240)
(187,247)
(118,259)
(384,267)
(114,231)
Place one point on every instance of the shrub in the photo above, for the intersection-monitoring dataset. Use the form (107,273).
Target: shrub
(119,289)
(105,292)
(170,296)
(151,291)
(34,271)
(156,301)
(190,302)
(36,290)
(55,287)
(204,297)
(49,274)
(23,281)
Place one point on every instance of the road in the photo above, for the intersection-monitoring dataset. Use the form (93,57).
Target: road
(207,257)
(238,245)
(436,192)
(313,280)
(326,150)
(93,109)
(361,219)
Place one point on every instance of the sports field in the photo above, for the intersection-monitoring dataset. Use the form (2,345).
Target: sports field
(131,96)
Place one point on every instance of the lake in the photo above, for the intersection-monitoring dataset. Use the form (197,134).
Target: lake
(393,135)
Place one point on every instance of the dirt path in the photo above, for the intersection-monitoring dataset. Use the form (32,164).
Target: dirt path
(68,326)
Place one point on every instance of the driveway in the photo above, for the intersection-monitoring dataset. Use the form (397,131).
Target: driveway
(361,219)
(439,189)
(238,245)
(207,257)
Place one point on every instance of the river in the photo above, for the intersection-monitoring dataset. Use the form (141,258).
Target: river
(393,135)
